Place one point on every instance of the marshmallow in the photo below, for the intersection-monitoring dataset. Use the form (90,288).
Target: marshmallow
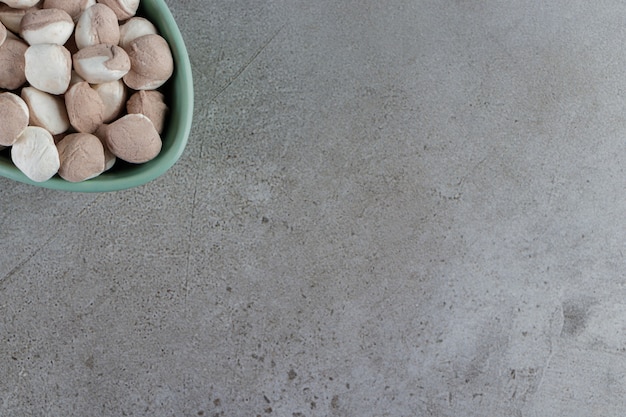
(12,18)
(3,33)
(124,9)
(133,138)
(48,67)
(85,108)
(81,157)
(113,94)
(101,63)
(134,28)
(151,63)
(46,110)
(13,118)
(46,26)
(109,158)
(12,63)
(20,4)
(72,7)
(151,104)
(11,35)
(81,66)
(35,154)
(75,78)
(98,24)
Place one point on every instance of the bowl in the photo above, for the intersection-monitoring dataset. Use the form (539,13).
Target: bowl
(178,93)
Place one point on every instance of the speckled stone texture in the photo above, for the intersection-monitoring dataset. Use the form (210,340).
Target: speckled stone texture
(398,208)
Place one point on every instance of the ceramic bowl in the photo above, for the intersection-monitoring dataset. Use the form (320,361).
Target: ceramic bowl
(179,97)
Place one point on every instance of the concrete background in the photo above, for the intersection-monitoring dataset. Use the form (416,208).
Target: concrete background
(398,208)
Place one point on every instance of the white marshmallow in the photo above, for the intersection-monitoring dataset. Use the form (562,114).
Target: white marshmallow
(98,24)
(113,94)
(48,67)
(46,26)
(134,28)
(75,78)
(46,110)
(35,154)
(101,63)
(109,158)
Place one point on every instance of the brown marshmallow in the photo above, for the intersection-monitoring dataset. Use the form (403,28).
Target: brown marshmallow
(109,158)
(85,108)
(3,33)
(12,64)
(151,61)
(14,116)
(81,157)
(12,18)
(72,7)
(133,138)
(124,9)
(20,4)
(151,104)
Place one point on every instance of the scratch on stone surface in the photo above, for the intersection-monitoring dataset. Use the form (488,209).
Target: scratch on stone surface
(20,265)
(471,172)
(545,368)
(247,64)
(558,312)
(90,204)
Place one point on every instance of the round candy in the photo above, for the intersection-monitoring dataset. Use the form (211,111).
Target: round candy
(35,154)
(14,116)
(81,156)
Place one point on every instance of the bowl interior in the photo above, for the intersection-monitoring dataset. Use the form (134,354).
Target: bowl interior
(178,93)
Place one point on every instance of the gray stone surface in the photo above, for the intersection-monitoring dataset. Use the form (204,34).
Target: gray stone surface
(398,208)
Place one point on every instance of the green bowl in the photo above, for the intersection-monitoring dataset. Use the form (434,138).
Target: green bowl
(179,97)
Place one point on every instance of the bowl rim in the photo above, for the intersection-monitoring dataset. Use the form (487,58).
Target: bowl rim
(176,135)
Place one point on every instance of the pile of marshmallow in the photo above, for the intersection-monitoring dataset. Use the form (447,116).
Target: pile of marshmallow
(79,86)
